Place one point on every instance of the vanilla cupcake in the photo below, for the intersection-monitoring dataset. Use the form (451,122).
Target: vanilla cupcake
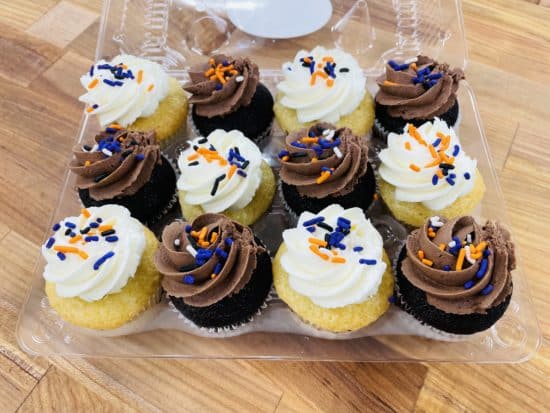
(332,270)
(424,172)
(225,173)
(137,94)
(99,268)
(324,85)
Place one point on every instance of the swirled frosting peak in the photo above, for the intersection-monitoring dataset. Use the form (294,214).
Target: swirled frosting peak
(123,89)
(334,257)
(322,85)
(427,165)
(206,260)
(93,254)
(323,160)
(222,85)
(220,172)
(462,267)
(117,164)
(418,90)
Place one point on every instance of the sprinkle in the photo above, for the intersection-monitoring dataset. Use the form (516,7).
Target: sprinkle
(56,227)
(139,77)
(189,279)
(456,150)
(112,238)
(447,268)
(343,70)
(414,167)
(107,232)
(177,242)
(337,152)
(228,241)
(466,176)
(91,238)
(427,262)
(195,163)
(217,268)
(216,183)
(450,181)
(113,82)
(325,226)
(452,244)
(61,256)
(388,83)
(391,299)
(221,253)
(239,79)
(68,249)
(50,242)
(338,260)
(408,146)
(283,153)
(324,176)
(482,268)
(150,87)
(421,254)
(469,238)
(487,290)
(318,242)
(311,229)
(231,172)
(242,173)
(93,83)
(70,225)
(68,231)
(367,261)
(486,253)
(192,157)
(315,250)
(75,239)
(191,250)
(107,152)
(358,249)
(188,228)
(375,197)
(313,221)
(140,157)
(469,284)
(414,133)
(460,259)
(436,142)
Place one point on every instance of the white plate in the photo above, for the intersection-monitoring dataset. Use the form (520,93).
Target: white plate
(279,19)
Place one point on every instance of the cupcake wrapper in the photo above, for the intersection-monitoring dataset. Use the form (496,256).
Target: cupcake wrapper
(173,140)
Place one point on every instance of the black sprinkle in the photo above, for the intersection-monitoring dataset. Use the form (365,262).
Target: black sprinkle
(68,231)
(85,230)
(327,71)
(298,154)
(203,140)
(344,70)
(445,172)
(194,163)
(325,226)
(195,147)
(245,164)
(237,150)
(108,232)
(212,147)
(216,183)
(126,153)
(446,166)
(101,177)
(327,238)
(87,148)
(134,142)
(187,268)
(192,242)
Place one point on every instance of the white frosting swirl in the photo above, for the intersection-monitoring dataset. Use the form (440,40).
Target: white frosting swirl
(318,96)
(421,186)
(137,94)
(78,274)
(330,284)
(199,175)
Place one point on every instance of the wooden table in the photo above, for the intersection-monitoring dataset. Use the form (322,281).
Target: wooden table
(46,44)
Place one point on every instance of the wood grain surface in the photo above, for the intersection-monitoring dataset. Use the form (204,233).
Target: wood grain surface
(46,44)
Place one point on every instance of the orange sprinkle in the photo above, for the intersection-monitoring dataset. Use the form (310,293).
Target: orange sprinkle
(328,59)
(481,246)
(319,65)
(85,212)
(211,61)
(476,255)
(315,250)
(427,262)
(443,156)
(151,86)
(334,252)
(439,174)
(203,244)
(460,259)
(105,228)
(421,254)
(435,162)
(431,234)
(115,126)
(212,276)
(220,77)
(389,83)
(414,133)
(338,260)
(285,158)
(192,157)
(442,247)
(317,241)
(315,75)
(314,159)
(408,146)
(324,176)
(139,77)
(231,172)
(74,239)
(451,160)
(89,109)
(307,139)
(93,83)
(213,236)
(375,197)
(202,233)
(330,82)
(414,167)
(413,66)
(67,249)
(432,151)
(87,163)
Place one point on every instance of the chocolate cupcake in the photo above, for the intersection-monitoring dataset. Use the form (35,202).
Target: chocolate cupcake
(323,165)
(416,92)
(455,275)
(125,168)
(227,94)
(216,272)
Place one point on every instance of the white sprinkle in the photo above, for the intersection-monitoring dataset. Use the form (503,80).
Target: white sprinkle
(411,60)
(329,135)
(107,152)
(239,79)
(95,148)
(452,244)
(337,152)
(191,250)
(437,224)
(177,242)
(469,238)
(468,255)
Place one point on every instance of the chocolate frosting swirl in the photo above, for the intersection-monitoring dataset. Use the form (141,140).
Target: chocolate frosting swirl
(461,291)
(214,97)
(408,98)
(119,164)
(188,277)
(303,166)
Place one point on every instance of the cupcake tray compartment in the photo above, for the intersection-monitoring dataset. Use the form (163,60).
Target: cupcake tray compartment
(179,34)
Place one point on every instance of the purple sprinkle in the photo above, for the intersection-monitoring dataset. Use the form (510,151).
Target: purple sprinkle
(446,268)
(70,225)
(241,173)
(435,180)
(482,268)
(228,241)
(61,256)
(91,70)
(221,253)
(283,153)
(436,142)
(188,228)
(487,290)
(112,238)
(50,243)
(450,181)
(358,249)
(367,261)
(391,299)
(99,220)
(56,227)
(467,175)
(219,86)
(94,225)
(311,229)
(91,238)
(469,284)
(218,268)
(189,279)
(140,157)
(486,253)
(101,260)
(313,221)
(456,150)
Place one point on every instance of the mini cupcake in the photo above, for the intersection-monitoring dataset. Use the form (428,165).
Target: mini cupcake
(225,173)
(125,168)
(215,272)
(227,94)
(455,275)
(425,171)
(137,94)
(416,92)
(323,165)
(99,269)
(332,270)
(324,85)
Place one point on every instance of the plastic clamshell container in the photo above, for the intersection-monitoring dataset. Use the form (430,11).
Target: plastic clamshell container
(181,33)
